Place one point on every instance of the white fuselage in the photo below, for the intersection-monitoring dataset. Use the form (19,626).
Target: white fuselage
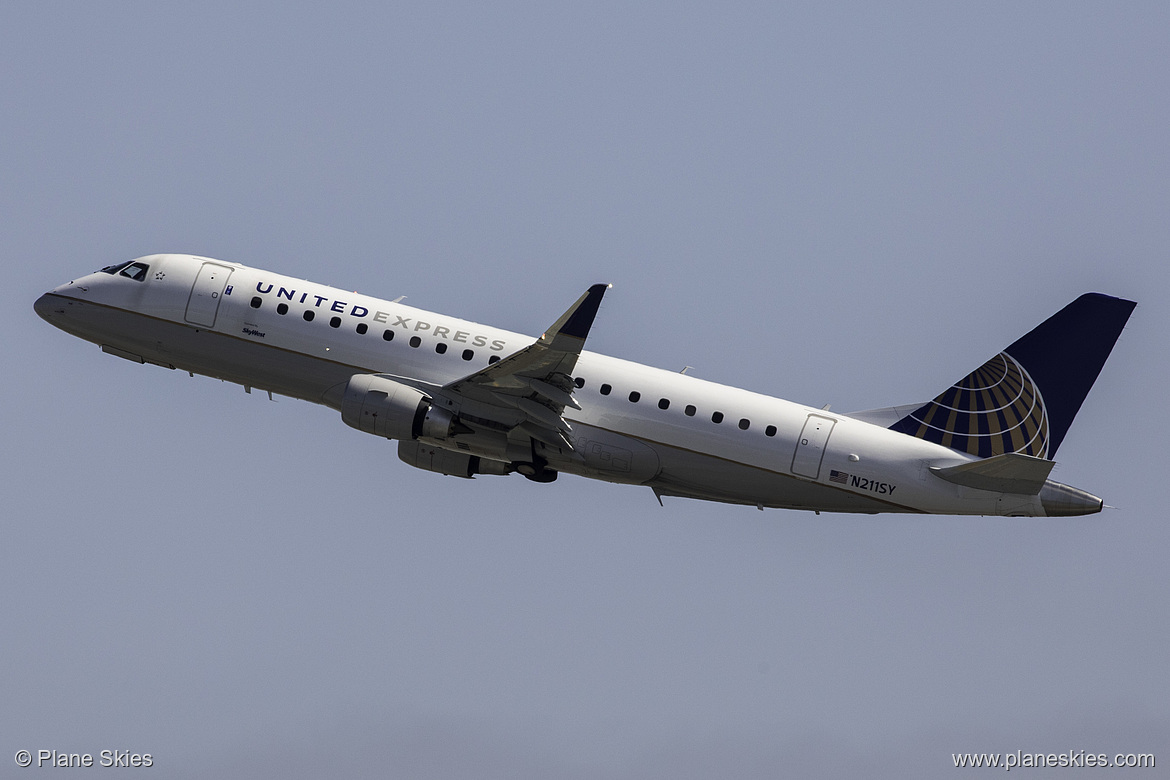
(678,434)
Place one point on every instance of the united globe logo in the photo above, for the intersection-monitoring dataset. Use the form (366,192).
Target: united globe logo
(995,409)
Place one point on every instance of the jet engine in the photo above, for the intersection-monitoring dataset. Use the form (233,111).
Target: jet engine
(383,407)
(457,464)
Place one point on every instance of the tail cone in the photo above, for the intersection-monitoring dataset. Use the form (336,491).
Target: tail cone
(1064,501)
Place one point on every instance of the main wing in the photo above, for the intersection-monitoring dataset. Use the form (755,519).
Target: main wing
(526,393)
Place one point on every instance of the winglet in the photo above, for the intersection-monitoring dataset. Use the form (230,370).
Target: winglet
(576,322)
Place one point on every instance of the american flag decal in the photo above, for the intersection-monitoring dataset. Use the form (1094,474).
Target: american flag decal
(840,477)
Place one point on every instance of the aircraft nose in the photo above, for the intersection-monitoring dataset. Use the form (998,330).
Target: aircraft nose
(46,305)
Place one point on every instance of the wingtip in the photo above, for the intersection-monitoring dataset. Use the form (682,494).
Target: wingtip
(581,319)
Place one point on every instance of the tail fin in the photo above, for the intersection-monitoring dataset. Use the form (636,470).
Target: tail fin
(1025,398)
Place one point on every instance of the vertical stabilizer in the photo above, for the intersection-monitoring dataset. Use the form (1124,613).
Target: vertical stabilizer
(1024,399)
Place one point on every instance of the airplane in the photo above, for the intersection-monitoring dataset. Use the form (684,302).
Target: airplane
(465,399)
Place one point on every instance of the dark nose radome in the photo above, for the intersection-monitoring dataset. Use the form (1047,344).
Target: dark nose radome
(45,305)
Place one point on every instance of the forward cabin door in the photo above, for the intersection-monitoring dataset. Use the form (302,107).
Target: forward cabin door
(810,447)
(206,293)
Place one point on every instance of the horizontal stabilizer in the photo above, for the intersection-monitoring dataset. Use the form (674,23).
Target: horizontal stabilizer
(1007,473)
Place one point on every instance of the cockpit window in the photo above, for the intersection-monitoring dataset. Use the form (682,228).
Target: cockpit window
(131,269)
(136,271)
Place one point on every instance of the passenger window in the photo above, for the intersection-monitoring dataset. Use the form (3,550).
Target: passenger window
(468,354)
(493,359)
(663,403)
(690,410)
(770,430)
(256,301)
(387,335)
(362,328)
(282,308)
(308,315)
(440,347)
(634,396)
(415,341)
(335,322)
(579,381)
(744,424)
(136,271)
(717,417)
(605,389)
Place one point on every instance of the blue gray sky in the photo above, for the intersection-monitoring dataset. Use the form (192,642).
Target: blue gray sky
(852,204)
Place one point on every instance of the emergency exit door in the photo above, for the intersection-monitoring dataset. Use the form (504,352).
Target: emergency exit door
(810,447)
(206,293)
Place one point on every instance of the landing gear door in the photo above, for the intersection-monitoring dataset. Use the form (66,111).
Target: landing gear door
(206,293)
(810,447)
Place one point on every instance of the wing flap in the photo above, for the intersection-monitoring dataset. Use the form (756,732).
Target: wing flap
(553,393)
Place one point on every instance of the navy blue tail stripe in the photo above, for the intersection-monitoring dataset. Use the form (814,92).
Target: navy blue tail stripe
(1025,398)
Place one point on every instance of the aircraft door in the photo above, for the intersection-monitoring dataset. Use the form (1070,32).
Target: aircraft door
(810,447)
(203,304)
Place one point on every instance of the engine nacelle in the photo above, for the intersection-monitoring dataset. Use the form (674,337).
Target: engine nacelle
(383,407)
(458,464)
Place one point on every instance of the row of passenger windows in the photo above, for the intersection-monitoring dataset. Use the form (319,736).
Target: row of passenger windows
(690,410)
(363,328)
